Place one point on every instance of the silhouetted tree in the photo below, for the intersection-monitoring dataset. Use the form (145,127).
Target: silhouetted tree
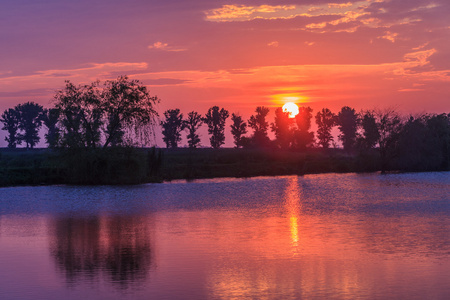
(238,129)
(10,120)
(30,121)
(347,121)
(414,143)
(282,128)
(128,104)
(81,114)
(115,130)
(215,118)
(50,119)
(325,120)
(423,143)
(303,138)
(260,126)
(192,124)
(389,126)
(370,135)
(121,103)
(172,127)
(439,128)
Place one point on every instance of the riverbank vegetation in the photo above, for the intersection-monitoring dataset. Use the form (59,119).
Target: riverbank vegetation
(140,165)
(99,133)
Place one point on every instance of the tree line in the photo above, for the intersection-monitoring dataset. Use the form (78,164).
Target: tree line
(369,129)
(416,143)
(121,112)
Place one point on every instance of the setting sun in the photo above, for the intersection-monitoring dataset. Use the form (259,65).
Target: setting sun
(291,108)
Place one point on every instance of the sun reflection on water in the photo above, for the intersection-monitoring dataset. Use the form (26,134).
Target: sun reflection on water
(292,205)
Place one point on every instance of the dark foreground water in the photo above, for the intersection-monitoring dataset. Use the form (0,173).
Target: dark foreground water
(312,237)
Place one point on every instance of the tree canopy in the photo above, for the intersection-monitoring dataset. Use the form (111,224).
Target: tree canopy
(10,120)
(347,121)
(192,124)
(281,128)
(215,118)
(260,126)
(172,127)
(325,120)
(238,129)
(121,104)
(303,138)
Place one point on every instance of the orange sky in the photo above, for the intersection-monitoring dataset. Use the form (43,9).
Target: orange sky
(235,54)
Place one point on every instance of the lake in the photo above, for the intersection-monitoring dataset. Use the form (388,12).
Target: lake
(328,236)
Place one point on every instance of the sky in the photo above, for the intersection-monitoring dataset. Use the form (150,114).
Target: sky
(368,54)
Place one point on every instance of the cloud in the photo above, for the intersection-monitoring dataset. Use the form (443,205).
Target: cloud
(158,45)
(165,81)
(339,5)
(26,93)
(263,77)
(228,13)
(40,82)
(165,47)
(411,90)
(345,17)
(420,57)
(390,36)
(421,46)
(414,66)
(273,44)
(241,13)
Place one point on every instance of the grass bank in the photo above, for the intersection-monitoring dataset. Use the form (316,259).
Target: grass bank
(210,163)
(137,165)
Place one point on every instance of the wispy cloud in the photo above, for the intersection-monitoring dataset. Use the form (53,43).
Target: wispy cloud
(273,44)
(357,14)
(264,76)
(411,90)
(51,79)
(229,13)
(420,47)
(339,5)
(240,13)
(420,57)
(390,36)
(165,47)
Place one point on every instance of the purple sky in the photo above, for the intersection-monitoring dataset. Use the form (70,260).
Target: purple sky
(235,54)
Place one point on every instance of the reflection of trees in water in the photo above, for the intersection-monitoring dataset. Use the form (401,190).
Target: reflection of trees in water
(128,253)
(116,247)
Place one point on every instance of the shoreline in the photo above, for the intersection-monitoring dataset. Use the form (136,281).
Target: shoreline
(126,166)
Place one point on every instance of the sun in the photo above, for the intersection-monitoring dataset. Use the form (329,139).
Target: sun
(291,108)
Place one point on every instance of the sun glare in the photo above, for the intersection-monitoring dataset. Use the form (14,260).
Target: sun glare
(291,108)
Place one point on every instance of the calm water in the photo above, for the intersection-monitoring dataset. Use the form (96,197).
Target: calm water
(312,237)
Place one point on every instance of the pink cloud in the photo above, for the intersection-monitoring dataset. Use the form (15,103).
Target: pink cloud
(165,47)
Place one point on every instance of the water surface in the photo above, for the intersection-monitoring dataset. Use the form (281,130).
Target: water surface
(335,236)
